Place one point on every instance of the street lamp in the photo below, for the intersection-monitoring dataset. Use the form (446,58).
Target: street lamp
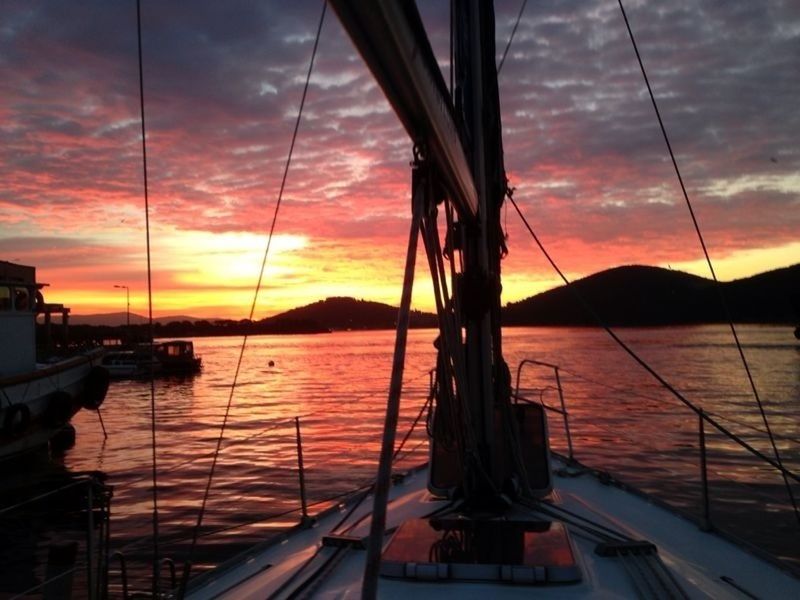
(127,308)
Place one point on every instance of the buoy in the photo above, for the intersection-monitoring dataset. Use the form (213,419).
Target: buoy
(95,388)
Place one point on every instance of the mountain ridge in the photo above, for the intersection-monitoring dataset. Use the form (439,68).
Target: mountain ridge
(638,295)
(629,295)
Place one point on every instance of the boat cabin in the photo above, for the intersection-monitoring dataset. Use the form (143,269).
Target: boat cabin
(177,356)
(18,294)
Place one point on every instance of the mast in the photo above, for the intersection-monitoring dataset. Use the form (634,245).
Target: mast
(460,144)
(477,107)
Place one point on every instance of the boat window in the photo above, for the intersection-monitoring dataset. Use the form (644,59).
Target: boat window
(22,299)
(5,297)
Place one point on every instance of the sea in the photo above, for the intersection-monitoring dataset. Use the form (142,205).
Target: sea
(333,388)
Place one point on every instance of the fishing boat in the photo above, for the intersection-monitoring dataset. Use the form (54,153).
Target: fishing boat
(173,357)
(131,364)
(494,513)
(37,399)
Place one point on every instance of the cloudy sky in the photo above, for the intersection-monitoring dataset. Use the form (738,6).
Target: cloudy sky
(223,82)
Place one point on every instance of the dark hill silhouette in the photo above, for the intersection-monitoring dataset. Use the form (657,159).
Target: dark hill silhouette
(629,295)
(120,318)
(349,313)
(647,296)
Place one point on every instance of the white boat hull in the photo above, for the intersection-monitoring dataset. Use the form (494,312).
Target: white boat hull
(703,564)
(36,405)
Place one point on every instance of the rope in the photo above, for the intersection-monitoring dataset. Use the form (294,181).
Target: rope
(149,301)
(600,532)
(511,38)
(188,563)
(787,438)
(363,493)
(260,519)
(12,507)
(411,429)
(77,568)
(450,360)
(363,487)
(724,303)
(708,415)
(306,589)
(382,483)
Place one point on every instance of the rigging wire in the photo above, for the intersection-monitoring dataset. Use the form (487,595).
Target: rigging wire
(358,496)
(723,302)
(511,37)
(382,483)
(285,421)
(709,414)
(452,51)
(639,360)
(149,302)
(188,563)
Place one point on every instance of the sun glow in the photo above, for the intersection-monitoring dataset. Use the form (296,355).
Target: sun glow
(230,259)
(743,263)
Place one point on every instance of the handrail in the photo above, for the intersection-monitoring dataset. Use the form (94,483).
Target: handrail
(732,436)
(563,412)
(540,403)
(301,470)
(123,571)
(703,418)
(170,564)
(97,496)
(75,483)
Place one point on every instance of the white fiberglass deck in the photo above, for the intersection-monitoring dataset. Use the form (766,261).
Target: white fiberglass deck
(703,564)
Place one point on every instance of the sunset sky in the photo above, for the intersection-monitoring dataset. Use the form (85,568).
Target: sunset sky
(222,86)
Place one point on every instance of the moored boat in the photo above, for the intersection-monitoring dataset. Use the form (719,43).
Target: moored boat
(174,357)
(177,357)
(38,399)
(131,364)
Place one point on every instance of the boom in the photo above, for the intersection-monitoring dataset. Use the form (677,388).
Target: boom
(390,37)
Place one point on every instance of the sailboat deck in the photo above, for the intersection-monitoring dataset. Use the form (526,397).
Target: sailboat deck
(702,564)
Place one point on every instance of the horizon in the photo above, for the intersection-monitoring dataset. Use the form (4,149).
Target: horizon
(582,149)
(183,313)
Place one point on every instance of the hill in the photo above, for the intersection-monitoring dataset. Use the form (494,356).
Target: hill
(648,296)
(339,314)
(120,318)
(630,295)
(320,317)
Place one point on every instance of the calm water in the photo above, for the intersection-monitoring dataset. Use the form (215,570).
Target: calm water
(621,421)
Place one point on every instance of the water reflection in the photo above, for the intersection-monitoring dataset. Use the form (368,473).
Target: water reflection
(337,384)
